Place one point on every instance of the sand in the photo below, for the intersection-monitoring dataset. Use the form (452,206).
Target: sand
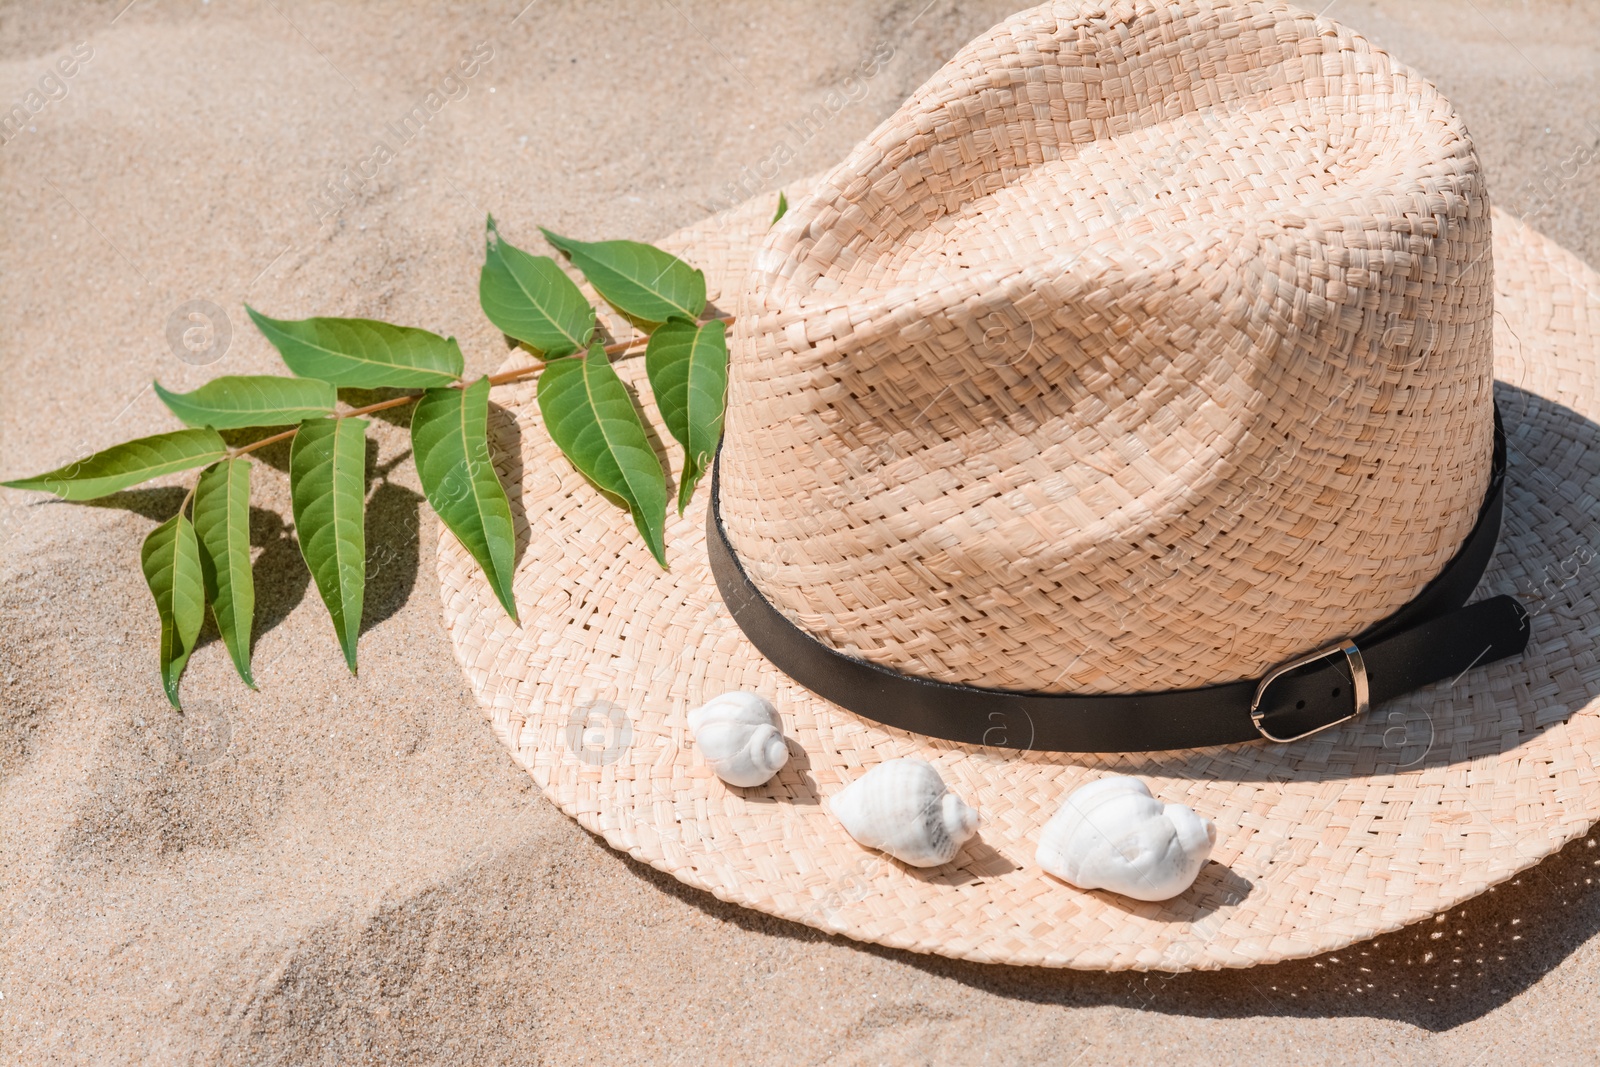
(341,869)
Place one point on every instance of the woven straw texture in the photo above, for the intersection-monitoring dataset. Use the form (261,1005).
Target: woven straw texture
(1012,383)
(1430,800)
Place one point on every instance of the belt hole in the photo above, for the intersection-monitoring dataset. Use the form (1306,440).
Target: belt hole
(1335,690)
(1299,704)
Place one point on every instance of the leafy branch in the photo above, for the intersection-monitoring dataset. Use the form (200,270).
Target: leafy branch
(200,557)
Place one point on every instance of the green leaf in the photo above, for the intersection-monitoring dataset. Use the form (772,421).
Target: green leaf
(592,420)
(127,464)
(171,562)
(222,524)
(783,206)
(647,285)
(450,438)
(362,353)
(233,402)
(531,299)
(327,491)
(688,368)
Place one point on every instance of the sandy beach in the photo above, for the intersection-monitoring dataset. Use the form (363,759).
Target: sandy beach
(350,869)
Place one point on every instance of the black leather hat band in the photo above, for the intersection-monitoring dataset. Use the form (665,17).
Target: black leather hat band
(1432,638)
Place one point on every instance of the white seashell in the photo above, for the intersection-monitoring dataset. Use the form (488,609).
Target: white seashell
(903,808)
(1112,834)
(737,735)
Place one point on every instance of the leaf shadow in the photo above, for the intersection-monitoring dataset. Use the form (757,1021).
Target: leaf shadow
(505,444)
(157,504)
(281,577)
(394,538)
(506,435)
(663,456)
(280,574)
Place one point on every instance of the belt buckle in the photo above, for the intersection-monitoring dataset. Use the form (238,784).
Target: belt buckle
(1361,690)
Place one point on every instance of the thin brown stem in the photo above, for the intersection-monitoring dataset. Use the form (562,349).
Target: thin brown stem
(235,453)
(620,348)
(517,375)
(382,405)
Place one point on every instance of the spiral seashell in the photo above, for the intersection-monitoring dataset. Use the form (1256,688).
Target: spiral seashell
(736,733)
(1112,834)
(903,808)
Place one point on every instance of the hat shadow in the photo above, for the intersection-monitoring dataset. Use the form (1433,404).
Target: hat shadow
(1436,974)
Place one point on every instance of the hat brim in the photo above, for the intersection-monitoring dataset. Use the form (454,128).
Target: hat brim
(1428,801)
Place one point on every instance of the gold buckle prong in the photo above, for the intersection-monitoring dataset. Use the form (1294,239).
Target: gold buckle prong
(1362,692)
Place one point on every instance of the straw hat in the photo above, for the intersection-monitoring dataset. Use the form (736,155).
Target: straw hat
(1145,348)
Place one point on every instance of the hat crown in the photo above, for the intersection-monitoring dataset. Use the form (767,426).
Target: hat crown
(1142,348)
